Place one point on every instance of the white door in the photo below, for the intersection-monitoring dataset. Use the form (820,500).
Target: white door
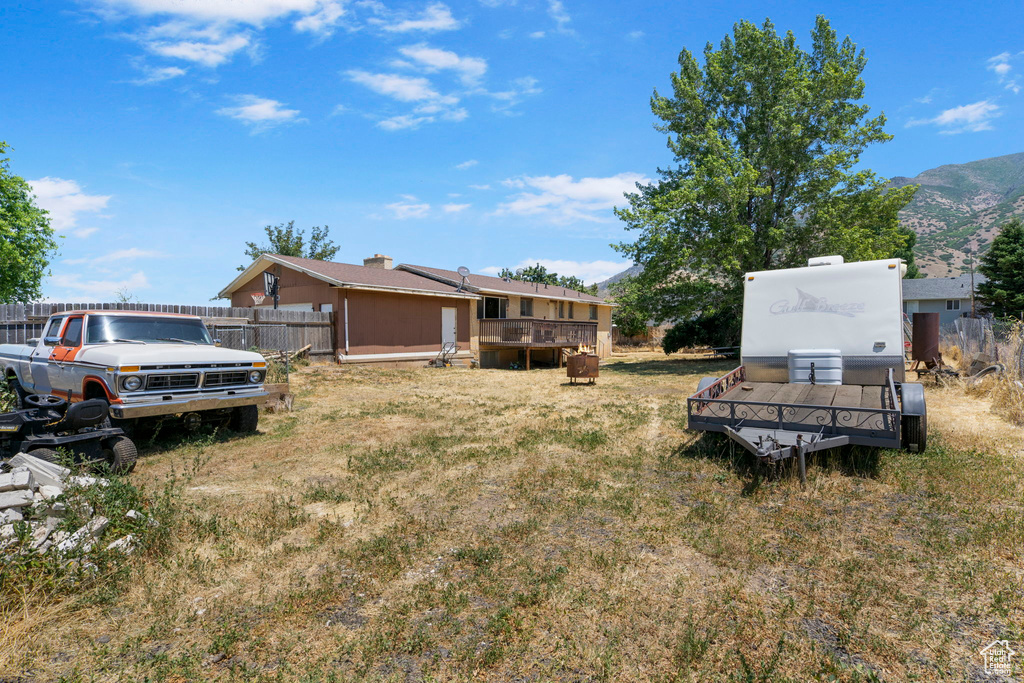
(449,326)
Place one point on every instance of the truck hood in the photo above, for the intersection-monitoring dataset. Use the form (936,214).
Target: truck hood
(163,354)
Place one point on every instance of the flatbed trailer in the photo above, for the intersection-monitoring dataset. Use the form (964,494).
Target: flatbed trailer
(853,320)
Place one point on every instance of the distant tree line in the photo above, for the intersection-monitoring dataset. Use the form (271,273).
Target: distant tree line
(539,274)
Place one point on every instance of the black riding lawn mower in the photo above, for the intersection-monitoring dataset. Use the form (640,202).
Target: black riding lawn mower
(48,423)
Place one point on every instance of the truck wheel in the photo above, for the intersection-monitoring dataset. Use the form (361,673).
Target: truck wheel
(245,418)
(121,454)
(46,454)
(19,392)
(915,433)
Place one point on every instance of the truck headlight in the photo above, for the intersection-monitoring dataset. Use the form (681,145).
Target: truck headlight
(132,383)
(255,376)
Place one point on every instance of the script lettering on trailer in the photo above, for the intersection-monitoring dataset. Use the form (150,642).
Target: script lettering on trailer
(807,303)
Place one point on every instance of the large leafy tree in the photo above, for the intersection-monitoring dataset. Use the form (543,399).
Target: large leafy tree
(27,241)
(1003,265)
(285,240)
(766,139)
(541,275)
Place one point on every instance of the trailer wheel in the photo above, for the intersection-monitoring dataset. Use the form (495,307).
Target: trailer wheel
(121,454)
(915,433)
(244,419)
(46,454)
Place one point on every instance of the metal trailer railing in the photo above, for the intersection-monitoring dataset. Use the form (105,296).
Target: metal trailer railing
(775,431)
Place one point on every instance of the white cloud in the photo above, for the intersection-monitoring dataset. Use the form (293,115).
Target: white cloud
(436,17)
(558,12)
(480,187)
(409,207)
(254,12)
(259,112)
(209,46)
(455,208)
(635,35)
(538,34)
(80,288)
(521,88)
(82,233)
(131,253)
(153,75)
(469,69)
(402,88)
(64,200)
(466,164)
(971,118)
(588,271)
(1000,64)
(323,21)
(560,199)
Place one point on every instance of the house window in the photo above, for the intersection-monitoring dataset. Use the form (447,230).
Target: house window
(561,309)
(492,307)
(526,308)
(952,304)
(570,309)
(593,312)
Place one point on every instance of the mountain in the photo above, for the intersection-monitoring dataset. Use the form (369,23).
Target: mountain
(958,207)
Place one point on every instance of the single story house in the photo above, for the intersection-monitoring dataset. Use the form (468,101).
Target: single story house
(950,297)
(405,314)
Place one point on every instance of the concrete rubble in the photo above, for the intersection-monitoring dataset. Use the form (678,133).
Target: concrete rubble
(31,493)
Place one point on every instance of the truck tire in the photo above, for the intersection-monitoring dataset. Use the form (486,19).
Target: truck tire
(915,433)
(19,392)
(46,454)
(121,454)
(244,419)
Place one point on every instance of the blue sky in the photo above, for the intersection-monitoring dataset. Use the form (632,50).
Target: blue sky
(163,134)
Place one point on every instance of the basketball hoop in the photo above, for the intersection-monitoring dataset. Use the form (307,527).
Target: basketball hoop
(257,298)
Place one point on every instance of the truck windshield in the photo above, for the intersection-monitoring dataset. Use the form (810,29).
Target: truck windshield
(103,329)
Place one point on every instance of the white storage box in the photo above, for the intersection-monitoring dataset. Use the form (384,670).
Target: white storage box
(828,366)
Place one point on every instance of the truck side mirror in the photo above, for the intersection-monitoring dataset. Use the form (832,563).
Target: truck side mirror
(216,342)
(51,341)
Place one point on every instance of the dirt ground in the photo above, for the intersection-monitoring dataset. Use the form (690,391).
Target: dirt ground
(436,525)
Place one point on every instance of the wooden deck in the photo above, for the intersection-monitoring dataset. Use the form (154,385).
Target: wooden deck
(837,396)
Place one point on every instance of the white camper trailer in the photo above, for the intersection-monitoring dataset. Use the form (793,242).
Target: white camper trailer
(822,364)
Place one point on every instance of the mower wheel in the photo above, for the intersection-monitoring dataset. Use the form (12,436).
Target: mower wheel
(46,454)
(121,454)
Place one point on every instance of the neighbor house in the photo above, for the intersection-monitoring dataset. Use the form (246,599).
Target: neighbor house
(404,314)
(525,322)
(950,297)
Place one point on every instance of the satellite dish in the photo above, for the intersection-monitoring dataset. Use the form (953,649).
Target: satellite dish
(463,271)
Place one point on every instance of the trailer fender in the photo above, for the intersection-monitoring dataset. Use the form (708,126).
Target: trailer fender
(912,398)
(706,382)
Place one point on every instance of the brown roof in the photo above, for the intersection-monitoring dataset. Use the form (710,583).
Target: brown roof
(349,275)
(486,283)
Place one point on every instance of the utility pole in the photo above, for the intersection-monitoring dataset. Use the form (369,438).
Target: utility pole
(971,252)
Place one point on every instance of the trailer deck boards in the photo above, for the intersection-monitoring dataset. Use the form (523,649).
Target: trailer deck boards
(795,395)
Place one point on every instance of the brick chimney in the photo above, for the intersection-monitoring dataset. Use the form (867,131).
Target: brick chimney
(378,261)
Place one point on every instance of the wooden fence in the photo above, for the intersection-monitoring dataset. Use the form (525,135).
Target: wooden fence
(292,330)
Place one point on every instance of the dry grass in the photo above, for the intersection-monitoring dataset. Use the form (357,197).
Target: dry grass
(475,524)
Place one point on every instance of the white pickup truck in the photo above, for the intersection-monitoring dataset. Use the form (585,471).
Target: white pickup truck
(147,366)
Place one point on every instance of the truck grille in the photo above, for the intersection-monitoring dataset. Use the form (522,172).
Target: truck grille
(164,382)
(223,379)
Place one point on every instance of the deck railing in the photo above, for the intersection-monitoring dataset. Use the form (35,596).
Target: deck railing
(533,333)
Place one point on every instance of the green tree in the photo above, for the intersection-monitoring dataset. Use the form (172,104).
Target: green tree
(285,240)
(1003,265)
(541,275)
(27,242)
(765,138)
(907,254)
(632,310)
